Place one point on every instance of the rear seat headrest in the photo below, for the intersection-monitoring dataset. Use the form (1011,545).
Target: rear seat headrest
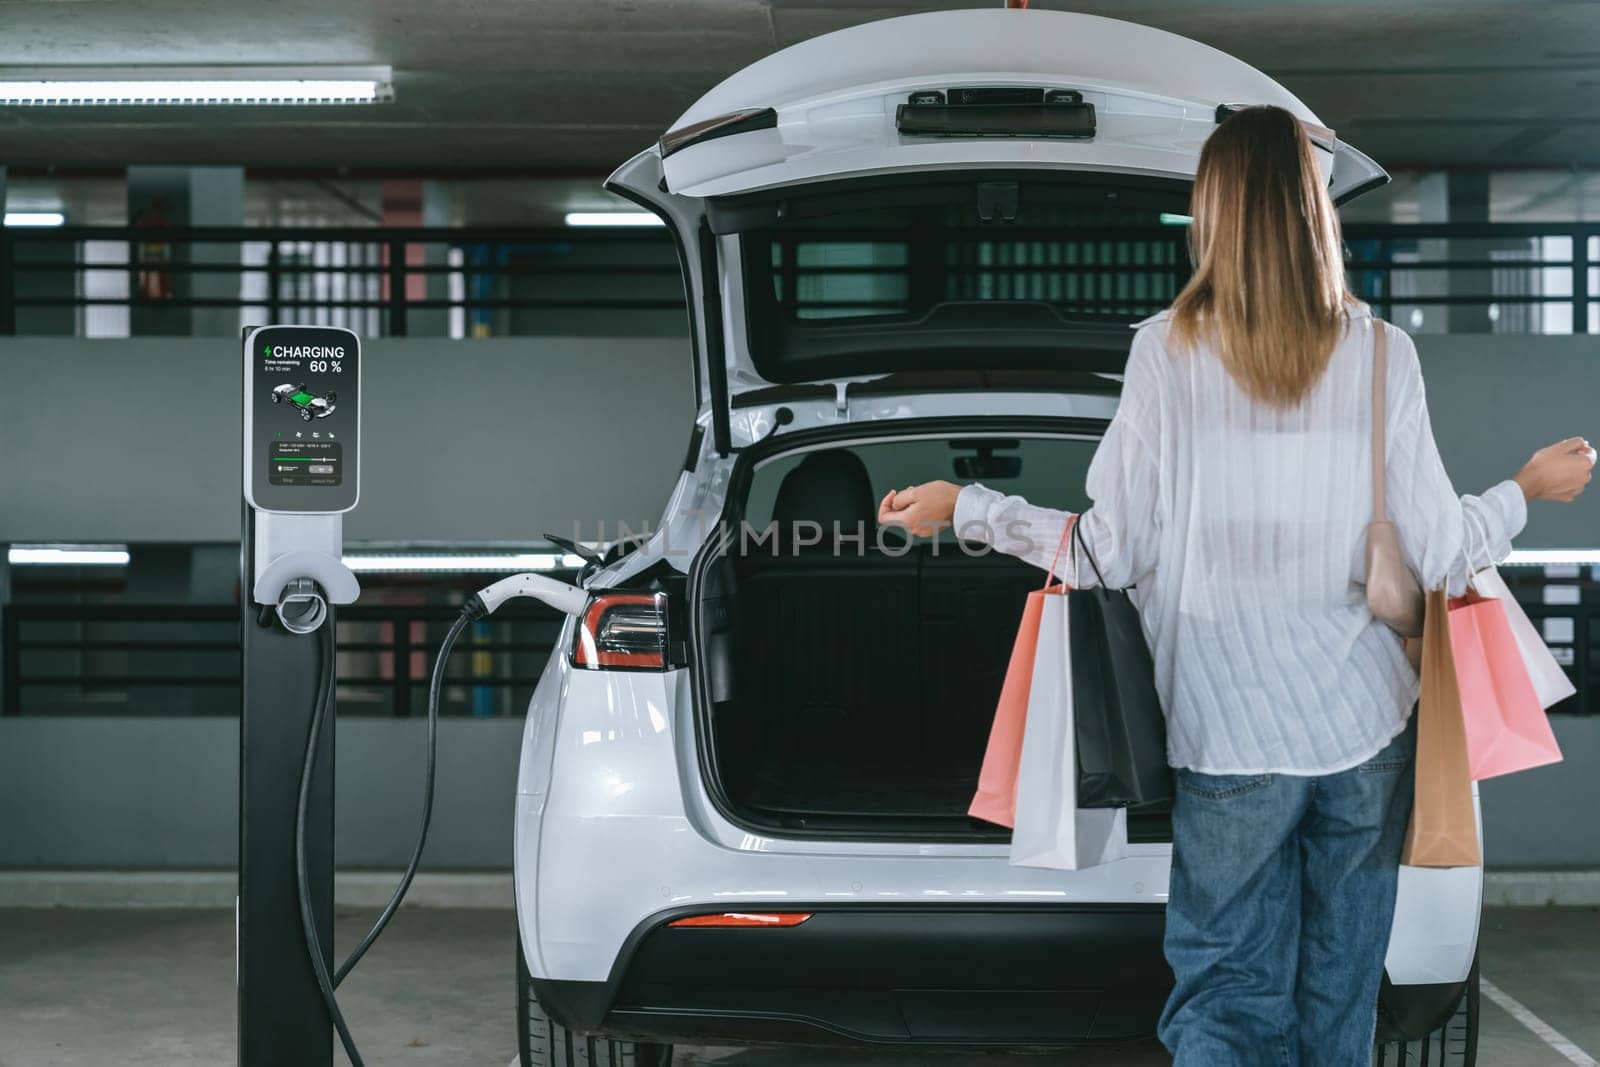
(827,487)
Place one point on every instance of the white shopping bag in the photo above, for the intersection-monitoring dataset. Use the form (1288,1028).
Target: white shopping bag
(1051,830)
(1550,682)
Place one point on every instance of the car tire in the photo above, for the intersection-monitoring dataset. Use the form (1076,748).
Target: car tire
(1453,1044)
(543,1042)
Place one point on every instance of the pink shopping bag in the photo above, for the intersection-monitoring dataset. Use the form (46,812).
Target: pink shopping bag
(996,799)
(1550,681)
(1507,728)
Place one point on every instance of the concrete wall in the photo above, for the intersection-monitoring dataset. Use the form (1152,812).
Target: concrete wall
(121,792)
(1495,399)
(125,792)
(488,440)
(502,439)
(1545,817)
(513,443)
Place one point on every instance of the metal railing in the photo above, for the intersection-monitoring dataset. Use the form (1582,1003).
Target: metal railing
(1517,277)
(1581,658)
(1525,277)
(378,281)
(169,659)
(185,659)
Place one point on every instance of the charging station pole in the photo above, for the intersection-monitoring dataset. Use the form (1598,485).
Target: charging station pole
(281,1015)
(301,473)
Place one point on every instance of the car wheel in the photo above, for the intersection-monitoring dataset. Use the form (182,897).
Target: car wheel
(1453,1044)
(543,1042)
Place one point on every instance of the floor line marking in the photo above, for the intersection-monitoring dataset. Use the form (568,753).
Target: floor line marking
(1541,1029)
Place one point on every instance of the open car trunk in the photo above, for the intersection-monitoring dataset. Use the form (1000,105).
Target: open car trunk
(862,686)
(852,207)
(851,691)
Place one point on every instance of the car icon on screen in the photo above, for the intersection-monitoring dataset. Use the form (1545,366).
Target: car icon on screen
(309,405)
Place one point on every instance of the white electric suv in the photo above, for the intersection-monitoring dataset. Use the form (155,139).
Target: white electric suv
(910,248)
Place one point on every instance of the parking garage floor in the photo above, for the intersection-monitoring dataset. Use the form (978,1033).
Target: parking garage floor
(154,988)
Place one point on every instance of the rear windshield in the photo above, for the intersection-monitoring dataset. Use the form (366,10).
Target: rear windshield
(991,272)
(1048,471)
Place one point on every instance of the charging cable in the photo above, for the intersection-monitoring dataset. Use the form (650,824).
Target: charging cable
(303,598)
(326,676)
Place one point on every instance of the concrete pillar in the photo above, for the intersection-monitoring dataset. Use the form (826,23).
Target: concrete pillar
(216,198)
(1467,201)
(417,202)
(1433,205)
(160,196)
(1449,197)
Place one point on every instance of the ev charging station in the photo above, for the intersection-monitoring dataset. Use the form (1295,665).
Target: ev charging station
(302,472)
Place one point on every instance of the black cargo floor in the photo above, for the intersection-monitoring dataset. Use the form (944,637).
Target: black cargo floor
(822,786)
(815,786)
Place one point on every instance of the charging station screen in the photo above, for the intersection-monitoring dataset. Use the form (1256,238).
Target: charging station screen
(303,427)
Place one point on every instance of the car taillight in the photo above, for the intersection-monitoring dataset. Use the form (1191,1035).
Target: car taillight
(744,919)
(626,631)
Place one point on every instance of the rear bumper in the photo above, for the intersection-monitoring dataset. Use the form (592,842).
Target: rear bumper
(937,975)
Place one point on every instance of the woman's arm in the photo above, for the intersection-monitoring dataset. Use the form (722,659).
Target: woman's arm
(1447,538)
(1121,529)
(978,514)
(1011,525)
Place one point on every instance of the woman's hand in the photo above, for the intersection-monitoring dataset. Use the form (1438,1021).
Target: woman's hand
(1558,472)
(923,509)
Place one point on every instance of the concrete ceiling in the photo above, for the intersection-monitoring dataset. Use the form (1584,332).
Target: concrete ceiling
(575,86)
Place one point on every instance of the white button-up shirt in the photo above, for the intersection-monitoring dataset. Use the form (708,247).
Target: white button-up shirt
(1242,529)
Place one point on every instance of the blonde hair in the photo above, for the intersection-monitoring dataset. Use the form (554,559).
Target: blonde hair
(1269,286)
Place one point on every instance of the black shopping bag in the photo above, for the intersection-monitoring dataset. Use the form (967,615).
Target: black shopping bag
(1122,734)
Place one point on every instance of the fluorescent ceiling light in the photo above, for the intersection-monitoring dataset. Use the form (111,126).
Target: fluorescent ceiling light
(164,86)
(508,562)
(35,218)
(1171,218)
(1553,557)
(68,555)
(612,218)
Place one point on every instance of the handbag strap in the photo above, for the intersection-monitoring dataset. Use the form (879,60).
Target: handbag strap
(1081,543)
(1066,531)
(1380,382)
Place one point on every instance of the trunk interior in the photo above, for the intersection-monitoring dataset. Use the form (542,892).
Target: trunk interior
(852,690)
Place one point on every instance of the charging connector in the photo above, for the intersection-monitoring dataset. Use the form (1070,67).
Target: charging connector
(568,599)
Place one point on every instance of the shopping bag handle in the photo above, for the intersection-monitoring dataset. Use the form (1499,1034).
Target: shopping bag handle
(1066,531)
(1471,594)
(1077,536)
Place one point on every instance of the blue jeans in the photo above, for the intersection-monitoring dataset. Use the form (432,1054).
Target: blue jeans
(1278,916)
